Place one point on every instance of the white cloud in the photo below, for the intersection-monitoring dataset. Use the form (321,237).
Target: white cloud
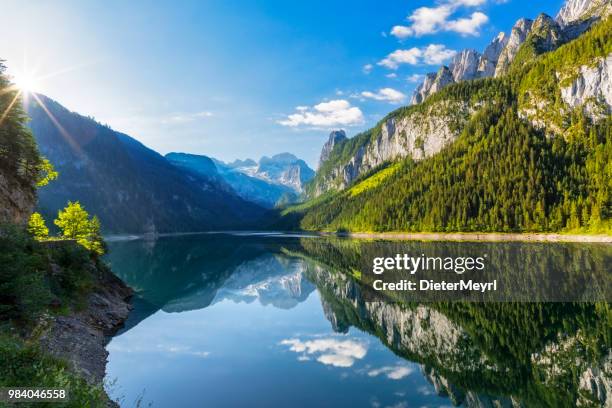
(414,78)
(467,3)
(338,112)
(433,54)
(391,75)
(425,20)
(385,94)
(367,68)
(392,372)
(331,351)
(468,26)
(430,20)
(168,349)
(398,57)
(436,54)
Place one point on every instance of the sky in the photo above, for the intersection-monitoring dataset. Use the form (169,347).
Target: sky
(237,79)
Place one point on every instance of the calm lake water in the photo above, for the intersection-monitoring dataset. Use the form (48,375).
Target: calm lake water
(225,320)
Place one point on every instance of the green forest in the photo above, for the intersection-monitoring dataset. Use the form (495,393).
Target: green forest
(501,174)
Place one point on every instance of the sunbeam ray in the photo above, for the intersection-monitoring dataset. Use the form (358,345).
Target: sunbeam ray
(9,107)
(76,148)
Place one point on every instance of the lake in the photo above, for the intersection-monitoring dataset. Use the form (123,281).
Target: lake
(262,319)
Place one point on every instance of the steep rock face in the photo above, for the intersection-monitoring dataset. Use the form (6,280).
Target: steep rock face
(592,89)
(490,57)
(464,65)
(443,79)
(16,200)
(424,90)
(283,169)
(575,11)
(587,87)
(547,33)
(335,137)
(80,337)
(417,135)
(573,19)
(517,37)
(432,84)
(595,383)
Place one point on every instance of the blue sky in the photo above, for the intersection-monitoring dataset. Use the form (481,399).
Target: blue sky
(237,79)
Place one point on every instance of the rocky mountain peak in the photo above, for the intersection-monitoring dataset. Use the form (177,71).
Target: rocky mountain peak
(548,33)
(519,34)
(335,137)
(574,11)
(444,77)
(242,163)
(464,65)
(423,90)
(433,83)
(284,169)
(490,56)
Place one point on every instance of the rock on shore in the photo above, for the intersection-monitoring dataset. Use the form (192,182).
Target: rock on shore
(81,338)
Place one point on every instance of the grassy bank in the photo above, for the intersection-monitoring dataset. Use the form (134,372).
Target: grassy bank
(484,237)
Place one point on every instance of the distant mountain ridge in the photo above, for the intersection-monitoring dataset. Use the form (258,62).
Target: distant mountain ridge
(270,182)
(131,188)
(283,168)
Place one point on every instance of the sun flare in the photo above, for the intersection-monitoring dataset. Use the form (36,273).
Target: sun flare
(25,82)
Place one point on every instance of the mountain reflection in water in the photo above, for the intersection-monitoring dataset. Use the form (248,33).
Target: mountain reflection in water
(275,320)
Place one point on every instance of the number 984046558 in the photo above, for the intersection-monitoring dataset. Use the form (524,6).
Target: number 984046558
(15,394)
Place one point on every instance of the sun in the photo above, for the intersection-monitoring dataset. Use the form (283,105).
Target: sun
(25,82)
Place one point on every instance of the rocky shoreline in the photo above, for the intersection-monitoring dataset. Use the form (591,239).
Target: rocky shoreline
(80,338)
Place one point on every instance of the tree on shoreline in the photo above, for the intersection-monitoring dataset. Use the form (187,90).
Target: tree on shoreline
(37,227)
(75,223)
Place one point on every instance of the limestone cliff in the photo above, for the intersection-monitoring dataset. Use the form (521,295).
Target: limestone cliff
(574,18)
(586,87)
(592,89)
(335,137)
(417,134)
(490,56)
(517,37)
(576,11)
(17,201)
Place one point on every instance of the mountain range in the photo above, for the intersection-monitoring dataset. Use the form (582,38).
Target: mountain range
(547,34)
(514,139)
(131,188)
(273,181)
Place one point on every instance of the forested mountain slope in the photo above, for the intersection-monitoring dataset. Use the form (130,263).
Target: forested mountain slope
(528,151)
